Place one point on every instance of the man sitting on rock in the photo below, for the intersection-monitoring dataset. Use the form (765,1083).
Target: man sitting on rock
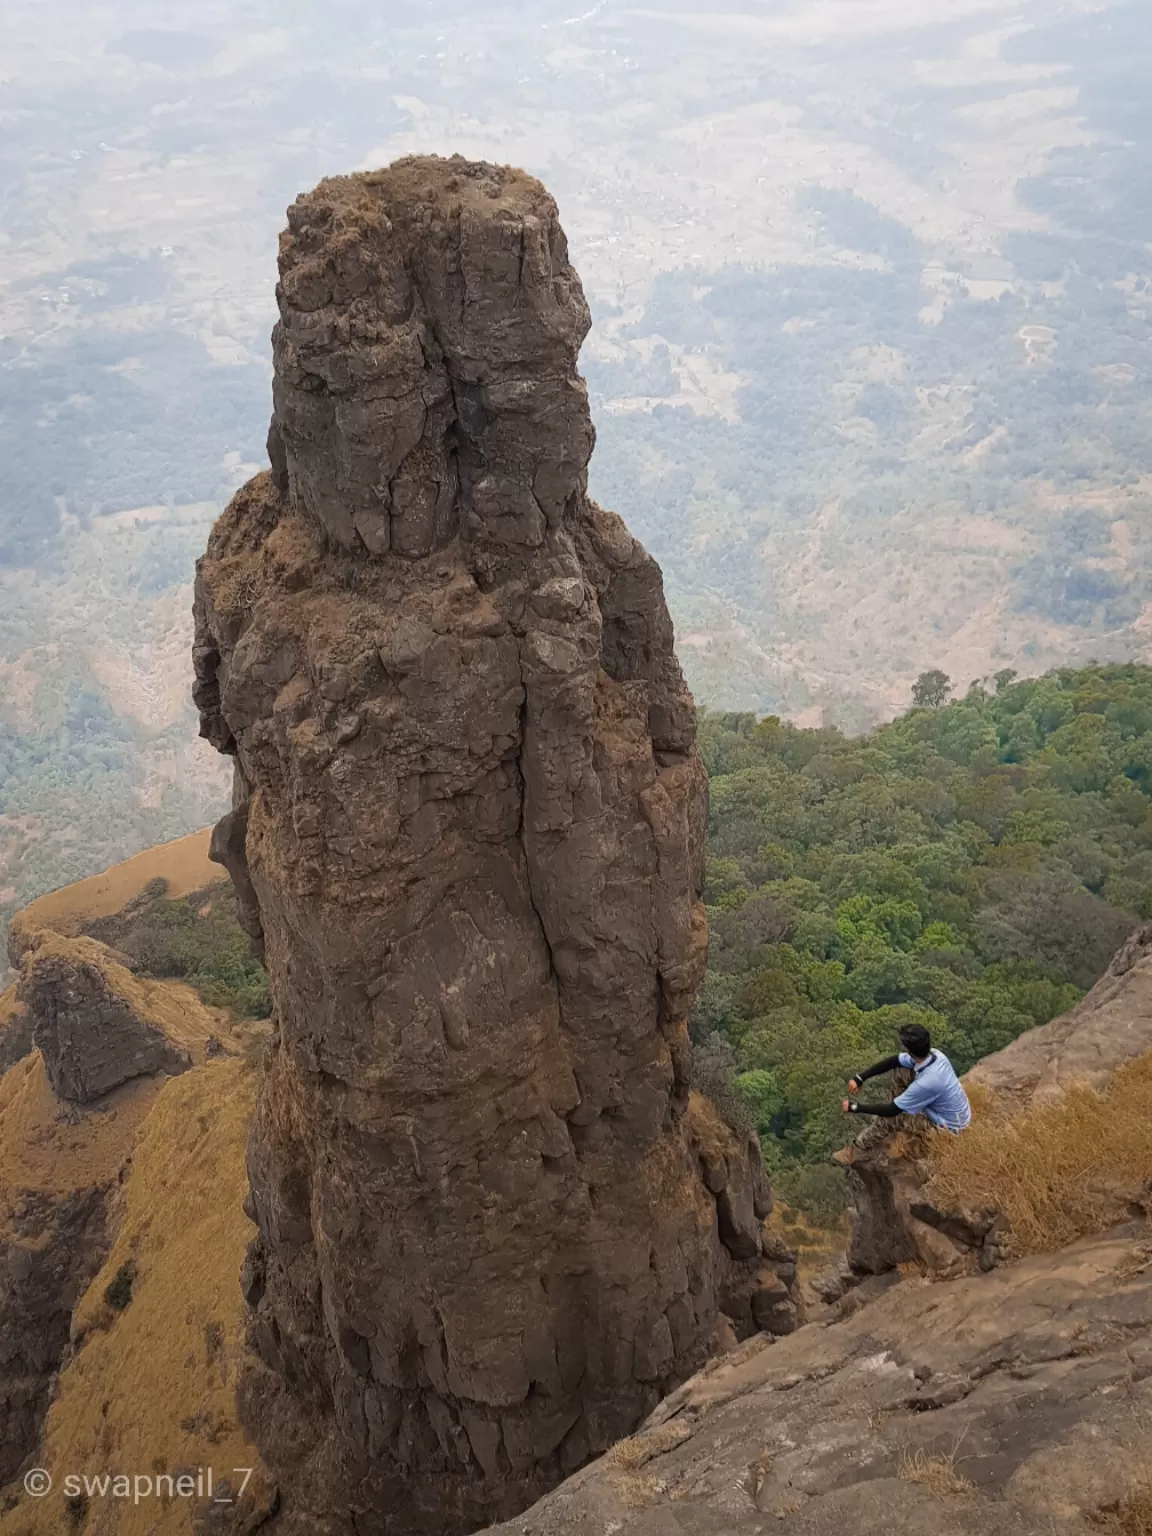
(927,1085)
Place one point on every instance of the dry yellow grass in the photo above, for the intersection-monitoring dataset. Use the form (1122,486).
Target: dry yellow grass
(935,1471)
(1132,1517)
(152,1388)
(637,1450)
(629,1455)
(236,584)
(46,1148)
(9,1007)
(183,865)
(1059,1170)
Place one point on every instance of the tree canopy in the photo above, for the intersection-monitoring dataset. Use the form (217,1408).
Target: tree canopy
(972,866)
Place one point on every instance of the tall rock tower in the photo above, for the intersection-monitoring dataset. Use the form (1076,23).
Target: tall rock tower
(468,827)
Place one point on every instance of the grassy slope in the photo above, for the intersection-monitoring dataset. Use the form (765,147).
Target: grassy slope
(1054,1169)
(151,1388)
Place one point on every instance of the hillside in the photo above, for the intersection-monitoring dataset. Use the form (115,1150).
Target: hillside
(1013,1399)
(123,1118)
(972,866)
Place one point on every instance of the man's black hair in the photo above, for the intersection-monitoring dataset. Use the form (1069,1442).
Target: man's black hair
(916,1040)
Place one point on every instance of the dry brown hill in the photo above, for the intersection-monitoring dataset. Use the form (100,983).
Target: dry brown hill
(183,866)
(123,1123)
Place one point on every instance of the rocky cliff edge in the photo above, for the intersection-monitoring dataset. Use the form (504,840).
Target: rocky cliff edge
(953,1385)
(913,1207)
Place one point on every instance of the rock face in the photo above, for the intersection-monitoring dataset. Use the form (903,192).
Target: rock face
(15,1029)
(53,1248)
(469,833)
(90,1029)
(896,1221)
(1108,1026)
(1017,1401)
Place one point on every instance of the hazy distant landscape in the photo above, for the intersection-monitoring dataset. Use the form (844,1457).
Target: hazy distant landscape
(871,286)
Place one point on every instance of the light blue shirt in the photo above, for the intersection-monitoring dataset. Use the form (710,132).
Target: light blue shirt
(935,1093)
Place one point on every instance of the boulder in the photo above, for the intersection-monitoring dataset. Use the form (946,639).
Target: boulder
(91,1019)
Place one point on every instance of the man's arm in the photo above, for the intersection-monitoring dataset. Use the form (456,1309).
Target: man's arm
(885,1111)
(916,1098)
(889,1064)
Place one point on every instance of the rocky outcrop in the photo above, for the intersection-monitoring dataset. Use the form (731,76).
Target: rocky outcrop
(894,1219)
(492,1231)
(1109,1026)
(1017,1401)
(90,1019)
(229,840)
(897,1218)
(756,1274)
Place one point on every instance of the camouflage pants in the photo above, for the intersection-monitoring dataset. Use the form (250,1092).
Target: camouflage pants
(878,1128)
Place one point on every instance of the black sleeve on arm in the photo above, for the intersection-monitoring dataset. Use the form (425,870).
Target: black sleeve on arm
(889,1064)
(885,1111)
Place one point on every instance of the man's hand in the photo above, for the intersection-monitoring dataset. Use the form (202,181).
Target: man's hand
(847,1106)
(853,1085)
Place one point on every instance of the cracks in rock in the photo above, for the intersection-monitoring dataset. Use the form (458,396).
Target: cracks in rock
(456,438)
(520,267)
(522,833)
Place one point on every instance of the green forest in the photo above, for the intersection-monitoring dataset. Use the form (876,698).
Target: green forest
(201,942)
(973,866)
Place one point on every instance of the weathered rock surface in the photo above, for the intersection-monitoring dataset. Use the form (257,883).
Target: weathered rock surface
(493,1232)
(896,1219)
(90,1019)
(1108,1026)
(53,1250)
(1017,1401)
(48,1260)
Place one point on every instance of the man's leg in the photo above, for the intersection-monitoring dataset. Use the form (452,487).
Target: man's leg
(879,1127)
